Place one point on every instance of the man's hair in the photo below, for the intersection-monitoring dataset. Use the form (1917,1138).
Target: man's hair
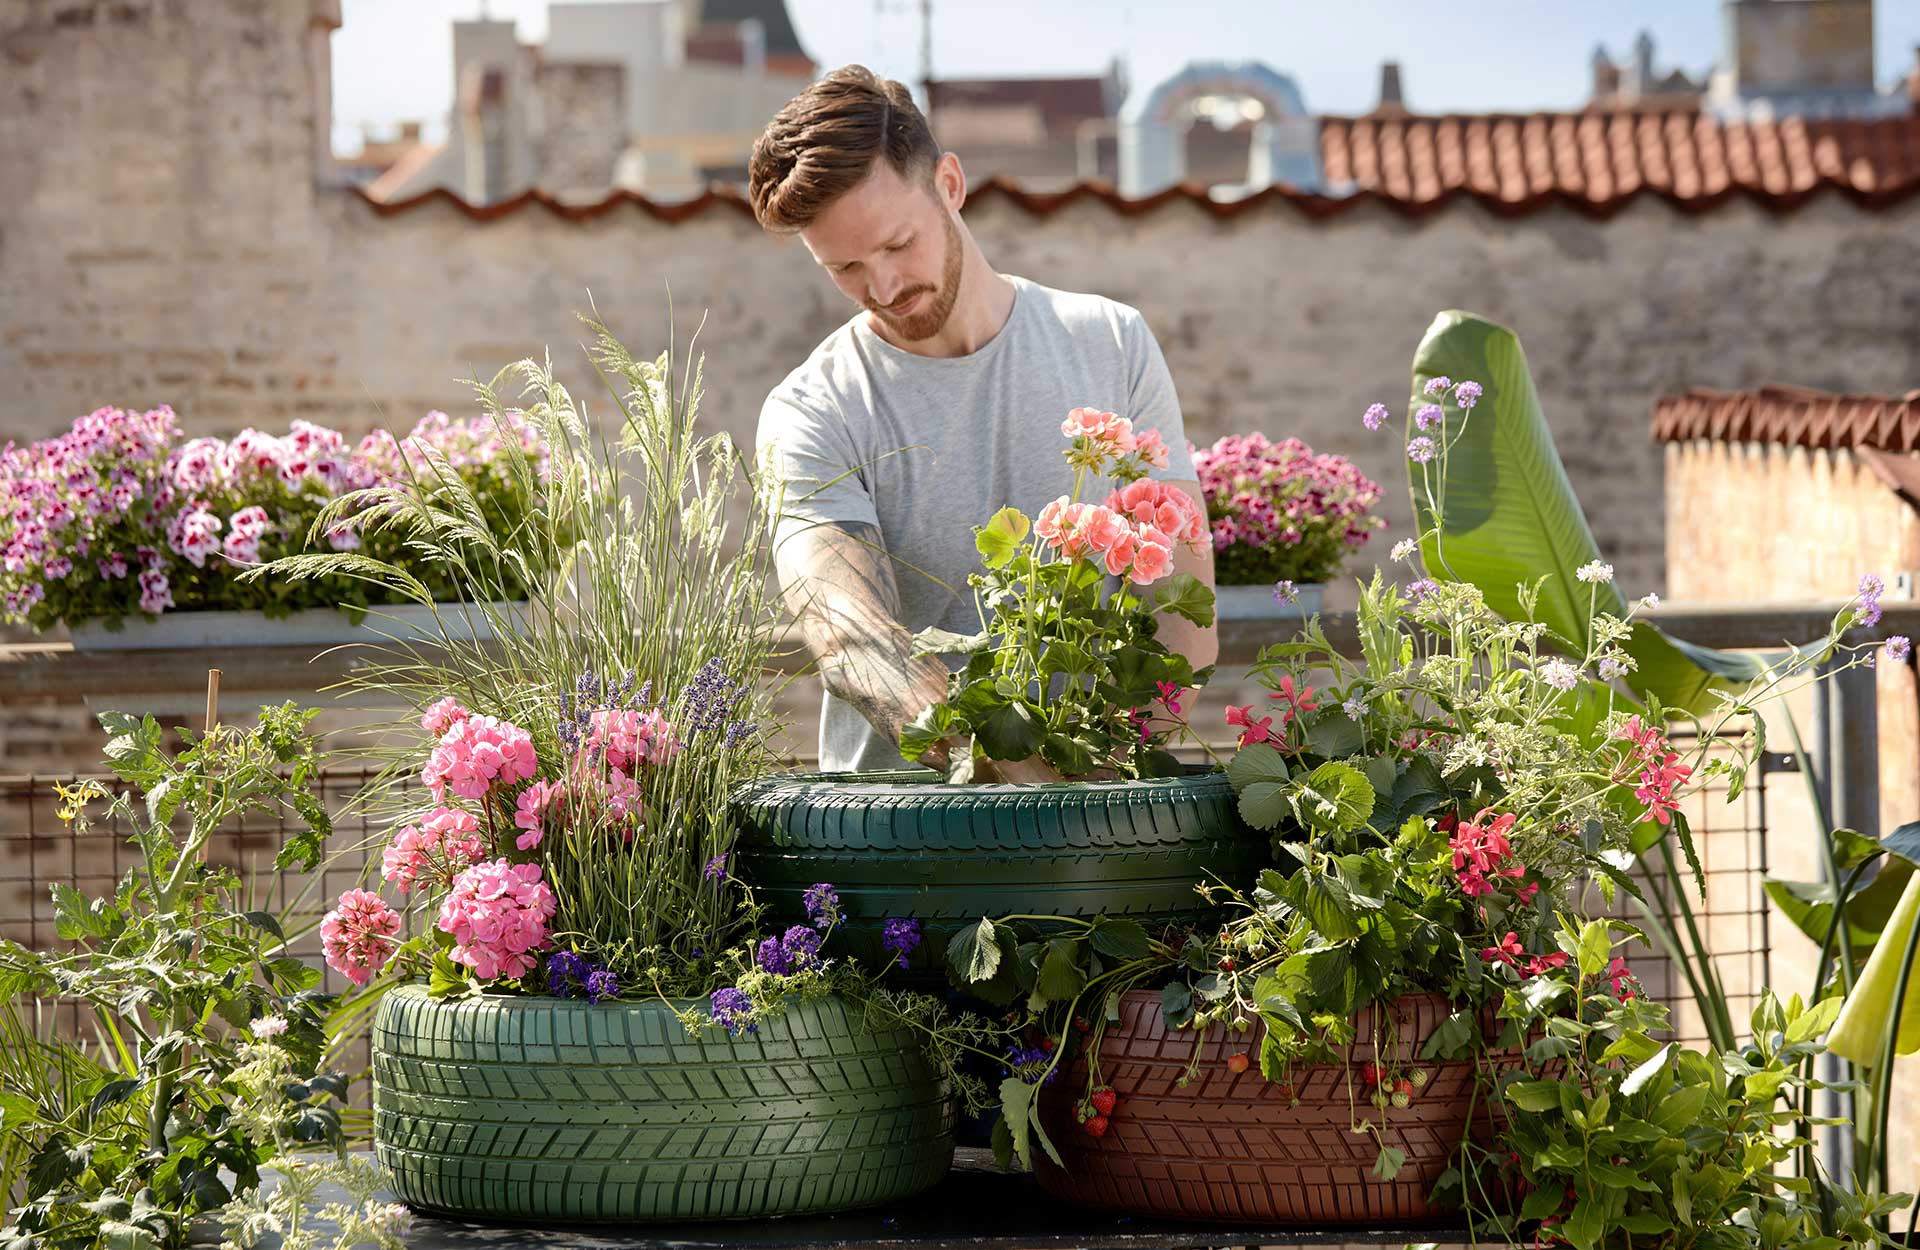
(825,141)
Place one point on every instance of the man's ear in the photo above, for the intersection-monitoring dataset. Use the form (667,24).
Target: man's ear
(950,181)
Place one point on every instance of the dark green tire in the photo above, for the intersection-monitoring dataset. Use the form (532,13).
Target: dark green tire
(553,1110)
(904,844)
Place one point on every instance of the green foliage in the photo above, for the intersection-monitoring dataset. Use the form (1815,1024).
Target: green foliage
(1617,1140)
(120,1142)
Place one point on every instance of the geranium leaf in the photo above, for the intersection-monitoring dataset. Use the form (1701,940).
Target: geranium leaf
(1001,536)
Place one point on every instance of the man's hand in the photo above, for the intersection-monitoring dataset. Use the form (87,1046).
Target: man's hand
(1030,770)
(838,582)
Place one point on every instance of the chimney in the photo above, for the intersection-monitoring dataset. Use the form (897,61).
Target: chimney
(1643,63)
(483,128)
(1606,75)
(1392,103)
(1913,82)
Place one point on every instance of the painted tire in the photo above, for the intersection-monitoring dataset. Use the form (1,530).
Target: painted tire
(554,1110)
(1228,1147)
(905,845)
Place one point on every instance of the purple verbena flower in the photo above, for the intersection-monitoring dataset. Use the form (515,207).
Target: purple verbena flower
(1871,588)
(900,937)
(1027,1062)
(1559,674)
(602,985)
(1422,588)
(716,869)
(1285,591)
(732,1010)
(822,904)
(1899,647)
(802,946)
(1440,385)
(1428,415)
(1467,394)
(772,957)
(1420,450)
(1375,416)
(565,970)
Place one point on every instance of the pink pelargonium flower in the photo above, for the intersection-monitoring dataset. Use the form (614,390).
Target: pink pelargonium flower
(1152,450)
(1165,507)
(443,715)
(356,937)
(497,913)
(630,736)
(432,852)
(1105,432)
(476,753)
(1153,559)
(530,811)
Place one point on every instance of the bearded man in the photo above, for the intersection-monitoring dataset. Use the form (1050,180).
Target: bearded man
(933,407)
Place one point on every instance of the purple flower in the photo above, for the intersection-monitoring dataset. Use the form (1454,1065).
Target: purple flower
(1420,450)
(822,904)
(716,869)
(1285,591)
(900,937)
(1422,588)
(732,1010)
(1428,416)
(1027,1062)
(1375,416)
(1871,588)
(738,731)
(1468,395)
(602,984)
(1440,385)
(802,946)
(1899,647)
(773,957)
(711,697)
(565,970)
(1559,674)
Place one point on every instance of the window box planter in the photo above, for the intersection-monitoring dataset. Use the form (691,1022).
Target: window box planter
(552,1109)
(404,622)
(906,844)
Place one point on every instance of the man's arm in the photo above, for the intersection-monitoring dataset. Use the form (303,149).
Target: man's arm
(837,580)
(1201,645)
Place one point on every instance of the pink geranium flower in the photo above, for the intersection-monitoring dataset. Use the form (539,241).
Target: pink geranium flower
(476,753)
(356,937)
(497,914)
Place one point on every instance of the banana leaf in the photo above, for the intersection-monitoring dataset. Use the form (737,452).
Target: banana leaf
(1510,516)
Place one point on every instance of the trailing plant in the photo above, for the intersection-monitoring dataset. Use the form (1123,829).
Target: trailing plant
(126,1139)
(1067,665)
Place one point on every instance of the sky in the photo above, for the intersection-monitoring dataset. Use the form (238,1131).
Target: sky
(392,58)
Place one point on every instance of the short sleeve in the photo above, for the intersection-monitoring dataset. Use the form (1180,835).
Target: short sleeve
(1153,403)
(812,454)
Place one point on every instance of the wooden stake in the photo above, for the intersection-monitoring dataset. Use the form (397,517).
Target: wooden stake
(213,698)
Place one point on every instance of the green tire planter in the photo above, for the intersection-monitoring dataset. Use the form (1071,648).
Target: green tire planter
(905,844)
(555,1110)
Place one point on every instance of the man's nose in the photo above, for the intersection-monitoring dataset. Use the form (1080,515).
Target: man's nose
(885,287)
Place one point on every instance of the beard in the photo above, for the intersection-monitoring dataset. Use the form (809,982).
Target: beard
(931,319)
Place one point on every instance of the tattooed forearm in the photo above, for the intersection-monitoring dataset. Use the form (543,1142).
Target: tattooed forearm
(838,582)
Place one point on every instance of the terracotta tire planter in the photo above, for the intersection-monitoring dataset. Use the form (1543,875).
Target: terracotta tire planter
(1230,1148)
(550,1109)
(905,844)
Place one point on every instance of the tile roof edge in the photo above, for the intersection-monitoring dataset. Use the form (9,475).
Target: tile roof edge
(1790,416)
(1311,205)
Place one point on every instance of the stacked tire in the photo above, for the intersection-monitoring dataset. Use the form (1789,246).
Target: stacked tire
(905,845)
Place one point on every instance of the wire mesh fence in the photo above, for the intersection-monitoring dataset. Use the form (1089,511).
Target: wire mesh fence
(37,851)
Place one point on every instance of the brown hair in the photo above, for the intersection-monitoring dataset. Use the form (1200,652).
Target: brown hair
(824,142)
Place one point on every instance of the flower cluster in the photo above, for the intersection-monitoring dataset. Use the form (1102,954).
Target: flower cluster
(1657,772)
(497,914)
(899,938)
(356,937)
(118,515)
(477,753)
(1132,535)
(797,950)
(1102,437)
(432,852)
(1483,856)
(1281,510)
(571,975)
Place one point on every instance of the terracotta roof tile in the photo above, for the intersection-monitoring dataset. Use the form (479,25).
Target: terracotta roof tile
(1599,157)
(1792,416)
(1594,163)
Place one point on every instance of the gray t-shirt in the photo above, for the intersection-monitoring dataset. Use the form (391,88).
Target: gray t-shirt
(927,448)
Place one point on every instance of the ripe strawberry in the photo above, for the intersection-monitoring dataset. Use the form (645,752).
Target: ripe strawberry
(1370,1074)
(1238,1061)
(1402,1099)
(1226,963)
(1285,1090)
(1404,1087)
(1104,1100)
(1046,1044)
(1080,1023)
(1096,1127)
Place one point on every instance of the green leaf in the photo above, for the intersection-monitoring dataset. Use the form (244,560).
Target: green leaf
(447,979)
(1638,1078)
(935,722)
(1176,1004)
(1387,1164)
(1453,1038)
(1334,735)
(1061,976)
(1851,848)
(1814,1021)
(1323,900)
(974,953)
(117,1091)
(1000,538)
(1419,790)
(1016,1108)
(1010,732)
(1510,514)
(1681,1108)
(1120,938)
(1255,764)
(1185,595)
(1646,1222)
(1070,756)
(1003,1143)
(266,922)
(1534,1095)
(932,641)
(1334,798)
(1584,1226)
(1595,948)
(75,917)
